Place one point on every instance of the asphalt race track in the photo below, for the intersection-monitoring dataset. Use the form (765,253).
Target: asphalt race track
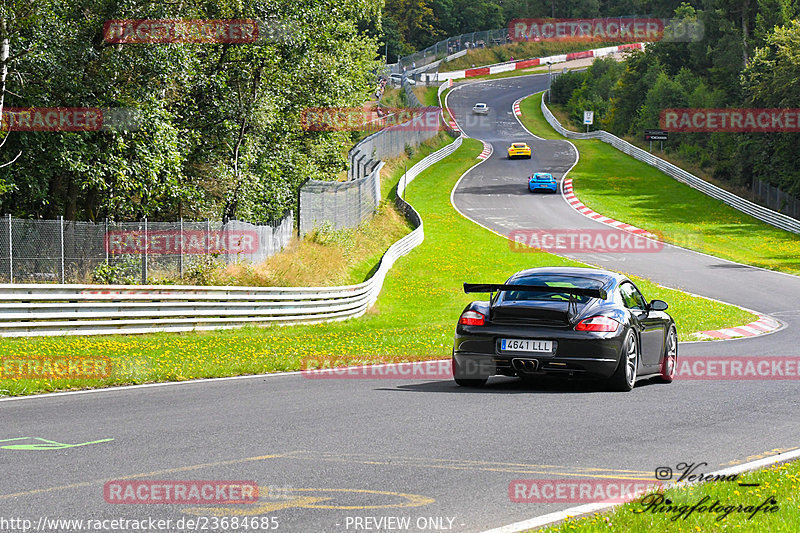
(340,455)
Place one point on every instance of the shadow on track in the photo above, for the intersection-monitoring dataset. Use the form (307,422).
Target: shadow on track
(509,385)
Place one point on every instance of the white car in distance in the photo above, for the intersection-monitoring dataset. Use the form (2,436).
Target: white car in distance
(480,109)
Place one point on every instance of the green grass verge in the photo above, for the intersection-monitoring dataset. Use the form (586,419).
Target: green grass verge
(413,319)
(427,96)
(618,186)
(780,482)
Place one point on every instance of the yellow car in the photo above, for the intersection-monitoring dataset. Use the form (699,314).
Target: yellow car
(519,150)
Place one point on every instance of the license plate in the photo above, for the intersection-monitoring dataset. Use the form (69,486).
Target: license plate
(526,345)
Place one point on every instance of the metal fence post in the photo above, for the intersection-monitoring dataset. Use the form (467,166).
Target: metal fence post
(61,224)
(144,255)
(105,238)
(180,243)
(10,252)
(208,237)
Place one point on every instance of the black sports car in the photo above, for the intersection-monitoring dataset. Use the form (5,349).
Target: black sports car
(573,322)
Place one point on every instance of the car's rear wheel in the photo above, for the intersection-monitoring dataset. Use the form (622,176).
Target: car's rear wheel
(464,379)
(670,361)
(624,377)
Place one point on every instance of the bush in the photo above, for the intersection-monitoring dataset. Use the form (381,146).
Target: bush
(564,85)
(126,271)
(204,270)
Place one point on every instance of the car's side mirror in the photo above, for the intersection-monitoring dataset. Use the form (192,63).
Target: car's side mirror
(657,305)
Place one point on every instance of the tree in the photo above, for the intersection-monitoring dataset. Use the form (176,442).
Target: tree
(416,21)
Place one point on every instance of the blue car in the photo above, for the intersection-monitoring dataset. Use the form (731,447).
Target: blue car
(542,181)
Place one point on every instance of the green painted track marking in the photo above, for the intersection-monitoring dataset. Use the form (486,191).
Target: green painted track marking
(44,444)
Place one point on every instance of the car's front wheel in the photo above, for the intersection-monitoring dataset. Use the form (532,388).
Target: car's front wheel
(670,361)
(624,377)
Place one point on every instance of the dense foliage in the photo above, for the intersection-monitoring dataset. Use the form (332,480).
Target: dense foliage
(220,132)
(411,25)
(748,58)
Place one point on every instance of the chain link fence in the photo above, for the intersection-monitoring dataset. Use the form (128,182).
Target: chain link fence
(347,204)
(342,204)
(451,48)
(774,198)
(63,251)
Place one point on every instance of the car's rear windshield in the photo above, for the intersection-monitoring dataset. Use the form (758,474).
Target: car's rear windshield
(543,177)
(550,280)
(518,145)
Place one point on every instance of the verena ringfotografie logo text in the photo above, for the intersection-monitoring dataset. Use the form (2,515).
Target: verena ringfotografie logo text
(605,29)
(377,367)
(181,242)
(180,492)
(365,119)
(738,368)
(581,241)
(735,120)
(578,490)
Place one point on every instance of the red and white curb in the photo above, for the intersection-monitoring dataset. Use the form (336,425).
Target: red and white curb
(538,61)
(516,108)
(487,151)
(763,325)
(452,121)
(577,205)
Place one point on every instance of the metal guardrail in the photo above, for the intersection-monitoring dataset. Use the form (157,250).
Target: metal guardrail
(779,220)
(28,310)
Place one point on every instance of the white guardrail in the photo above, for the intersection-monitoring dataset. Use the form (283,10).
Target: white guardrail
(28,310)
(779,220)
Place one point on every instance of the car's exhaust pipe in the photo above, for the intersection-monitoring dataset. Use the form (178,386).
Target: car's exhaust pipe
(525,366)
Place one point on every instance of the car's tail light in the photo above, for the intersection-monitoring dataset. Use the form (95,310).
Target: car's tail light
(597,323)
(471,318)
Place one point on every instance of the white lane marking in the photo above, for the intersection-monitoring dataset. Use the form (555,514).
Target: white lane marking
(146,386)
(579,510)
(564,197)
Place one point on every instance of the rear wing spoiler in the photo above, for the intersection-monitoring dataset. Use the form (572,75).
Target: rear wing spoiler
(574,291)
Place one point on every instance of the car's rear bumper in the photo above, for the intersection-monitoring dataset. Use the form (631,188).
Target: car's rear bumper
(534,188)
(576,354)
(474,365)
